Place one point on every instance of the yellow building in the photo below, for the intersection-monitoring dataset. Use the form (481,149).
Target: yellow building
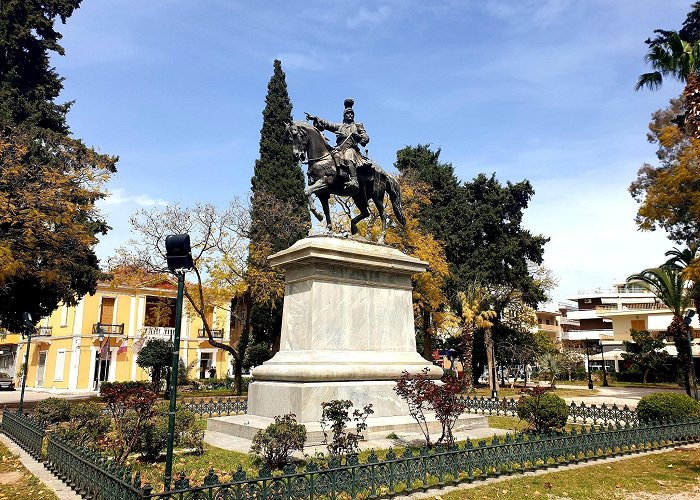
(77,348)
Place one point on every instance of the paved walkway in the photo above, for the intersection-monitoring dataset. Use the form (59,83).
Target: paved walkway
(376,441)
(620,396)
(37,469)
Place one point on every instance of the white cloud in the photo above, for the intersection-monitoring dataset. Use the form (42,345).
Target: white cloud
(119,197)
(366,17)
(302,61)
(537,13)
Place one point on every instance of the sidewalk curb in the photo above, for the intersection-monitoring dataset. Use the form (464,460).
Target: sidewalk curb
(36,468)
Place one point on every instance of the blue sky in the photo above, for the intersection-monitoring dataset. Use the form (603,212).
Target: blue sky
(536,89)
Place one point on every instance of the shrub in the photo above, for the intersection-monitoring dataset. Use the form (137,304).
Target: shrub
(274,444)
(336,415)
(87,424)
(667,406)
(131,406)
(542,410)
(52,411)
(154,435)
(421,394)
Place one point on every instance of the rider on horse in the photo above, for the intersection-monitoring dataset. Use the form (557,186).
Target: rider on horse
(348,135)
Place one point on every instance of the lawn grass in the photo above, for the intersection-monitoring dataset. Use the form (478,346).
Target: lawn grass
(195,467)
(658,475)
(17,483)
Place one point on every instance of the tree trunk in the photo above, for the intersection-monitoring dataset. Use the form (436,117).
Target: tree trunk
(427,338)
(691,103)
(490,359)
(680,333)
(644,378)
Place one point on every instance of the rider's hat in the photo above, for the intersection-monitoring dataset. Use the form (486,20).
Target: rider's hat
(348,103)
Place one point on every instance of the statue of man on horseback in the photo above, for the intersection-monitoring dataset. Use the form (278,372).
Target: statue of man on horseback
(326,165)
(349,136)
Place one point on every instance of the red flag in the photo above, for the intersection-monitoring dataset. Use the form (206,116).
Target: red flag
(122,348)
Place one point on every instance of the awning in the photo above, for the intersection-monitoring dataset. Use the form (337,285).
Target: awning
(610,355)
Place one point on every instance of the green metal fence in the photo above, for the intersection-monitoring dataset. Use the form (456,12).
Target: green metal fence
(220,406)
(410,472)
(94,476)
(25,431)
(90,474)
(591,414)
(584,413)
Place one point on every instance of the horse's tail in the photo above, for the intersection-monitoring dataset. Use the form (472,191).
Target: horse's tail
(394,191)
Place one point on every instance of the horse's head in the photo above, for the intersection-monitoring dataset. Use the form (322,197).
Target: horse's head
(297,136)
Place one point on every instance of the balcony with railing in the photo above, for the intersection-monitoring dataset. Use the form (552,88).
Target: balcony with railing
(158,331)
(634,306)
(43,331)
(548,328)
(105,329)
(217,333)
(587,335)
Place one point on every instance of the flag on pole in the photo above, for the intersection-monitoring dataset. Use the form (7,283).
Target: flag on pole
(104,349)
(138,345)
(122,348)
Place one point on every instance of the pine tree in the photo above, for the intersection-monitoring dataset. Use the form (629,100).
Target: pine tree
(277,180)
(49,182)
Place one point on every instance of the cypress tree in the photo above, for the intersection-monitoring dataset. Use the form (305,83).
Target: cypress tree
(277,176)
(279,216)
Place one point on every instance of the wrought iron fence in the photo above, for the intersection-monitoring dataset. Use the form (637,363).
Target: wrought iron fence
(219,406)
(94,476)
(578,413)
(91,475)
(25,431)
(410,472)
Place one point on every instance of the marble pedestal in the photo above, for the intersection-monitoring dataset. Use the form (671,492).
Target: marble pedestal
(347,330)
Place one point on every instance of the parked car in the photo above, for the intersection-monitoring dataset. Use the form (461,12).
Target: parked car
(6,382)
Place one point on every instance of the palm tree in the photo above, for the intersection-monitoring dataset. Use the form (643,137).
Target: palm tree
(688,261)
(673,56)
(670,287)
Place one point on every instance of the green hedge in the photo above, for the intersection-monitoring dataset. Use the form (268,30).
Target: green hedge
(667,407)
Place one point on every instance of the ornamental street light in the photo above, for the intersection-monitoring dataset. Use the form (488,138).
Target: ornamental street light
(588,365)
(179,257)
(687,319)
(602,358)
(29,328)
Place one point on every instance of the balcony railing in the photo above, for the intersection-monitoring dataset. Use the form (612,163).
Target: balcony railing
(43,331)
(217,333)
(163,331)
(636,306)
(548,328)
(105,329)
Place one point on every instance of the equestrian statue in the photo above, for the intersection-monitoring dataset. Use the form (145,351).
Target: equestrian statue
(342,170)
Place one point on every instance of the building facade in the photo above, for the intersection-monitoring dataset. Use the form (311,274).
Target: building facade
(78,348)
(606,316)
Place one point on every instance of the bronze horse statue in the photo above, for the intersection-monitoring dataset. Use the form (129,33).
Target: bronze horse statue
(310,146)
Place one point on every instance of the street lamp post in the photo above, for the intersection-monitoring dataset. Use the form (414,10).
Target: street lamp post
(494,383)
(602,357)
(179,257)
(687,319)
(29,329)
(588,364)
